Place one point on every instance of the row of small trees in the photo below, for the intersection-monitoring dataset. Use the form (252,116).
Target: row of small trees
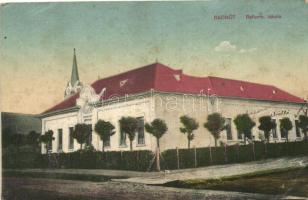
(215,125)
(244,124)
(105,130)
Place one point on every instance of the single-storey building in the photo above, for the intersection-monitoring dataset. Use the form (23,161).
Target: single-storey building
(158,91)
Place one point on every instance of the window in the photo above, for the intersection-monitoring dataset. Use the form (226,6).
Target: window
(282,133)
(140,130)
(70,138)
(228,129)
(274,130)
(60,140)
(49,146)
(298,131)
(122,138)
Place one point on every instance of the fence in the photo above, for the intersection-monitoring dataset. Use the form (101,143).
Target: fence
(198,157)
(170,159)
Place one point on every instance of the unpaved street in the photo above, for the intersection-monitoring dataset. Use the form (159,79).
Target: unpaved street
(47,189)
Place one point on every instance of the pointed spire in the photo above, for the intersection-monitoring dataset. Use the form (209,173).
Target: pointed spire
(74,76)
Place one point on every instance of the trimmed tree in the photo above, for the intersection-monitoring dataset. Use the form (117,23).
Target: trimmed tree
(129,126)
(81,133)
(47,138)
(266,125)
(286,126)
(215,124)
(190,125)
(244,125)
(157,128)
(303,124)
(104,129)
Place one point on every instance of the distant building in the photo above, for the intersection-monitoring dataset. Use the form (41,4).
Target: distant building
(158,91)
(18,123)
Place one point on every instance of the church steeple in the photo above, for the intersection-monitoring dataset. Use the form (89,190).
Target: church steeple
(74,76)
(74,85)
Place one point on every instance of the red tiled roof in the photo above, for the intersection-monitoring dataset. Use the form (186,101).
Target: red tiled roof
(165,79)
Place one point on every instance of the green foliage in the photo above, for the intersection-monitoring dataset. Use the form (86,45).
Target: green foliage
(47,138)
(104,130)
(286,126)
(33,139)
(215,124)
(244,125)
(266,125)
(88,148)
(81,133)
(157,128)
(141,160)
(129,126)
(190,124)
(169,160)
(235,154)
(187,158)
(303,124)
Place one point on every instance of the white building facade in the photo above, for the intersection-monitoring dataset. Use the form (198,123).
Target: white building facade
(114,97)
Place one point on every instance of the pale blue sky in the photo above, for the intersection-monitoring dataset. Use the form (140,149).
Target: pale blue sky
(37,41)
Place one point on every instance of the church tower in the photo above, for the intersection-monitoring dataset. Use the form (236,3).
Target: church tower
(74,85)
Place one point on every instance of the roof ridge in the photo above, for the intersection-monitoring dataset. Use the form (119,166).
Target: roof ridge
(243,81)
(131,70)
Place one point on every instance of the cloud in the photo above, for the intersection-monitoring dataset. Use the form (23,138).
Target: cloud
(225,46)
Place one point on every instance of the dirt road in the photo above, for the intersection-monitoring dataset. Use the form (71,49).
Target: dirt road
(47,189)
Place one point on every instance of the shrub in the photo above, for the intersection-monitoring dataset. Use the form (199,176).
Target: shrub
(169,159)
(141,160)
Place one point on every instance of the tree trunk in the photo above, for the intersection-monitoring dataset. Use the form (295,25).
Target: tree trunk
(131,145)
(245,139)
(188,144)
(157,155)
(211,158)
(157,142)
(47,145)
(215,142)
(103,147)
(80,146)
(157,159)
(287,136)
(267,137)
